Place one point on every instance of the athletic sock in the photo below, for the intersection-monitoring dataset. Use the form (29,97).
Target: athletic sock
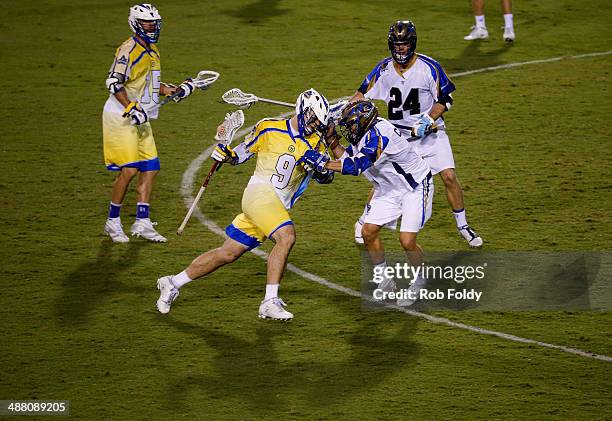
(142,210)
(271,291)
(480,21)
(509,21)
(114,210)
(460,218)
(181,279)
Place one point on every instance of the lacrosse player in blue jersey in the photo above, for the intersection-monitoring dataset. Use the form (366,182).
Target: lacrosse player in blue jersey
(134,85)
(417,92)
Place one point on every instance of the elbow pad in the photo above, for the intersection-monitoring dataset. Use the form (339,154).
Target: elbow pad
(446,100)
(114,83)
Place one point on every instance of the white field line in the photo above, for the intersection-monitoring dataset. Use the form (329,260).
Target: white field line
(526,63)
(188,182)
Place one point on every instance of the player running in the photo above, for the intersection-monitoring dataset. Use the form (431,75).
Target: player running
(134,84)
(418,92)
(402,180)
(277,183)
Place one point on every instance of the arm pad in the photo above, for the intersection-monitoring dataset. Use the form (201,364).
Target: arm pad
(114,83)
(242,154)
(446,100)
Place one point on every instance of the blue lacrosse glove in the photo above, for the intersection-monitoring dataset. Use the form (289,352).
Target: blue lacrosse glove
(223,153)
(135,113)
(424,126)
(186,88)
(314,161)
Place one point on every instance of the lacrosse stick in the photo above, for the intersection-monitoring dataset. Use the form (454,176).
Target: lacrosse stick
(225,133)
(236,97)
(202,81)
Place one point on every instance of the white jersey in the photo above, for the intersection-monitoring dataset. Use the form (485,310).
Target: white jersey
(391,162)
(408,94)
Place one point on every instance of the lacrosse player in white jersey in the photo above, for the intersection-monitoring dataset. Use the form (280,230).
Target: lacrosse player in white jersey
(402,179)
(417,92)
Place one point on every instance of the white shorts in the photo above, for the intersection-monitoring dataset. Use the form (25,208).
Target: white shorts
(436,151)
(414,207)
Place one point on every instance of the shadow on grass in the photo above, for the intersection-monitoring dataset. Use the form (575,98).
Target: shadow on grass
(258,11)
(253,374)
(473,58)
(94,281)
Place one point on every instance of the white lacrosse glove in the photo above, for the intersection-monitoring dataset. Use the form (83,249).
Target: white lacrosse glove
(424,126)
(136,114)
(187,88)
(223,153)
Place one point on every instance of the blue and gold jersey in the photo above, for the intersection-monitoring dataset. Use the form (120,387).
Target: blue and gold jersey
(141,67)
(279,148)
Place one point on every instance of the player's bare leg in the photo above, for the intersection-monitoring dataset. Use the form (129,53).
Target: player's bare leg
(121,184)
(272,307)
(143,227)
(213,259)
(373,243)
(414,253)
(509,35)
(479,30)
(113,226)
(145,185)
(454,195)
(376,251)
(202,265)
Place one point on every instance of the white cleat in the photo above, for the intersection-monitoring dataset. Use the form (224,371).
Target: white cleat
(114,229)
(358,236)
(509,35)
(386,285)
(274,308)
(413,291)
(167,294)
(146,229)
(470,236)
(477,33)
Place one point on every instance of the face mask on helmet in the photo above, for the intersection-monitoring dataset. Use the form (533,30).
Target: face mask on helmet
(402,41)
(146,22)
(312,111)
(357,118)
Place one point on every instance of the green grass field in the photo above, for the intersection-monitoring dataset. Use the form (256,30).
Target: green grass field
(532,147)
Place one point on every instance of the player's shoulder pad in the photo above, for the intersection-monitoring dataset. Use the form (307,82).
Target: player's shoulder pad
(382,66)
(264,124)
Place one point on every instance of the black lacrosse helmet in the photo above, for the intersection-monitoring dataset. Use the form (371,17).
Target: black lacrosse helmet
(402,32)
(357,118)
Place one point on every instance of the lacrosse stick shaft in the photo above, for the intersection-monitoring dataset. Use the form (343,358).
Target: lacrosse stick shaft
(271,101)
(214,167)
(169,98)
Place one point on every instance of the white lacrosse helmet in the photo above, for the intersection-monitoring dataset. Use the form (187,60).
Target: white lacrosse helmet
(309,107)
(148,13)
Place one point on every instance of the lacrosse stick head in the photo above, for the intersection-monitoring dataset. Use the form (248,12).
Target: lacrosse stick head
(227,130)
(205,78)
(236,97)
